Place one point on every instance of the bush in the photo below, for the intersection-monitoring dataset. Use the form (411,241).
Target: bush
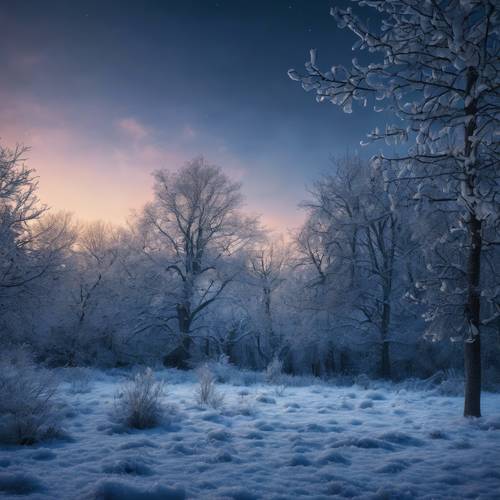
(138,403)
(274,371)
(362,380)
(245,406)
(222,370)
(206,393)
(27,406)
(279,390)
(452,384)
(442,383)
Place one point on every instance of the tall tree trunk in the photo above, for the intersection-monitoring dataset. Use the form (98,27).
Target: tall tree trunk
(271,337)
(388,270)
(330,366)
(184,318)
(229,346)
(344,362)
(263,356)
(472,352)
(352,268)
(385,362)
(179,357)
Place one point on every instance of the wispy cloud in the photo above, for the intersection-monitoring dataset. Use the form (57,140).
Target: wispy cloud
(133,128)
(102,175)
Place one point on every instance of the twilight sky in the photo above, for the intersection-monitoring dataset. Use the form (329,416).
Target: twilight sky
(105,92)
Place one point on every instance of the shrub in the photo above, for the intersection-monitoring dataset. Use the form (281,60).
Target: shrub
(442,383)
(452,384)
(27,406)
(363,381)
(279,390)
(245,406)
(274,371)
(206,393)
(138,402)
(222,370)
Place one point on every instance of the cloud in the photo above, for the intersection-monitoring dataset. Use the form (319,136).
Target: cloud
(132,128)
(85,168)
(91,174)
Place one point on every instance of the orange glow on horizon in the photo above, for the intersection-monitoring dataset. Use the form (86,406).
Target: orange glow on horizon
(107,180)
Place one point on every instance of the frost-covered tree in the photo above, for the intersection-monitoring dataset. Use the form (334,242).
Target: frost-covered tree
(93,301)
(267,268)
(19,207)
(194,231)
(98,251)
(436,66)
(358,248)
(32,242)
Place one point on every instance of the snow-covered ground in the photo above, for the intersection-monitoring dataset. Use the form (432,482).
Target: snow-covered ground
(318,441)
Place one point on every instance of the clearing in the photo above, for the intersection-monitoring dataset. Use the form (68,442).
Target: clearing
(314,441)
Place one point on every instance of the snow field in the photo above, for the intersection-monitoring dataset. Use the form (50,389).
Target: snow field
(318,441)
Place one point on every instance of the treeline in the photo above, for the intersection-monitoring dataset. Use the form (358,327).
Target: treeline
(373,282)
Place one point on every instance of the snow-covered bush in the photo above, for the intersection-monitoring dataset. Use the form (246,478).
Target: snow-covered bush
(206,392)
(222,370)
(452,384)
(27,406)
(274,371)
(363,381)
(280,390)
(442,383)
(138,403)
(416,384)
(245,406)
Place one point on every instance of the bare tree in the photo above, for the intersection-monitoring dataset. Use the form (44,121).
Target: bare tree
(267,268)
(19,207)
(98,247)
(32,242)
(90,292)
(439,72)
(360,242)
(194,230)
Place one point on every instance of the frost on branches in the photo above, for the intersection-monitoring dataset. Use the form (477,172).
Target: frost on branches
(436,68)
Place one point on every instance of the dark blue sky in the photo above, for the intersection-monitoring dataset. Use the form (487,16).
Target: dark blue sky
(120,88)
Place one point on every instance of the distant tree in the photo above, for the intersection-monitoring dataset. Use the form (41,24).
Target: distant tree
(267,268)
(89,324)
(439,72)
(32,242)
(98,248)
(19,207)
(194,231)
(363,247)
